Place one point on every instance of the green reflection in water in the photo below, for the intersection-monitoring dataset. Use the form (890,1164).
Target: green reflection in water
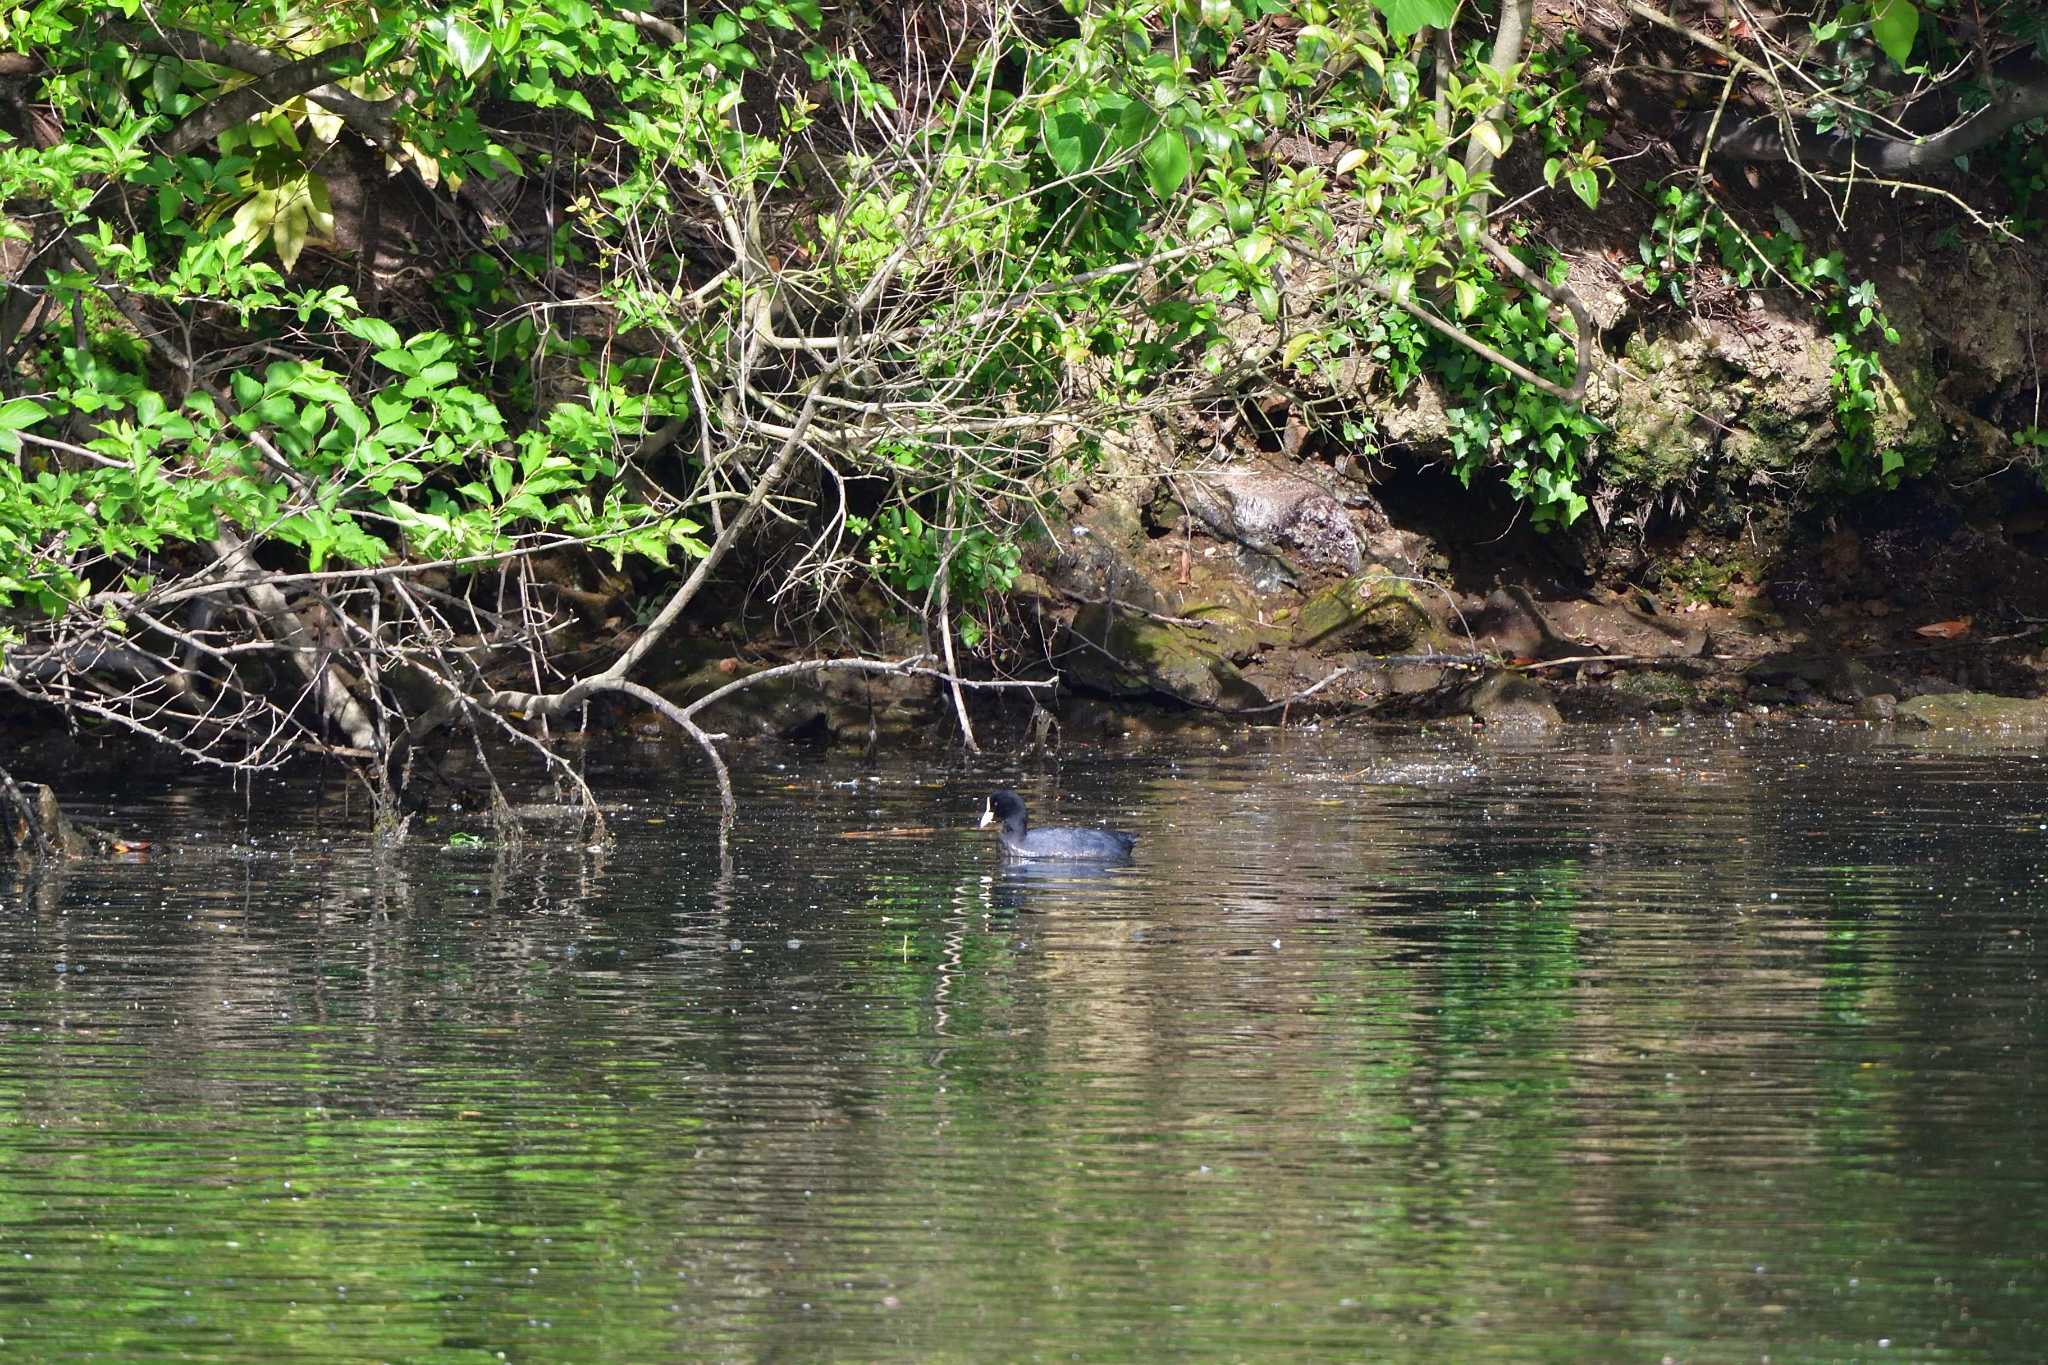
(1528,1067)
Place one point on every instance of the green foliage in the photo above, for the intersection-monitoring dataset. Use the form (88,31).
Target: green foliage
(2020,161)
(1077,218)
(1893,23)
(1706,580)
(1687,223)
(368,444)
(906,551)
(1670,250)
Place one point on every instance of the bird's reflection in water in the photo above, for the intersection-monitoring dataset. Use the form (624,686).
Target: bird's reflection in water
(1025,887)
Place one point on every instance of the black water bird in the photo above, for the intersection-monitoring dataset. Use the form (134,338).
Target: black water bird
(1019,840)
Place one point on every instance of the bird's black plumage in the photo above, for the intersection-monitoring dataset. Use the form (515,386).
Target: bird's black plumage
(1019,840)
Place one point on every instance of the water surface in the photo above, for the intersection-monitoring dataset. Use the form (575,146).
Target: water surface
(1399,1047)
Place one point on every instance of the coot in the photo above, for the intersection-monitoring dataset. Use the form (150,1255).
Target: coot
(1021,841)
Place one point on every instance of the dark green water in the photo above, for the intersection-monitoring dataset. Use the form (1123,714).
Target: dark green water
(1642,1046)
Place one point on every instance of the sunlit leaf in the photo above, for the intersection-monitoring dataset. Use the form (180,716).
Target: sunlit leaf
(1895,23)
(1072,138)
(17,414)
(468,46)
(1407,16)
(1167,161)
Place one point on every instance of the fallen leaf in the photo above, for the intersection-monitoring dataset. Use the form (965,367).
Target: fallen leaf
(1946,630)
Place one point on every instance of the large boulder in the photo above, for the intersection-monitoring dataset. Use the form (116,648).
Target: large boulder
(1372,611)
(1276,513)
(1126,653)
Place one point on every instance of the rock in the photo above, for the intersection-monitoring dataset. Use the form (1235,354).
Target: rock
(1979,712)
(1800,671)
(1856,681)
(1233,631)
(1373,611)
(1125,654)
(1601,622)
(1931,685)
(1656,689)
(1403,552)
(1274,512)
(1418,417)
(1412,680)
(1096,559)
(31,825)
(1511,701)
(1883,706)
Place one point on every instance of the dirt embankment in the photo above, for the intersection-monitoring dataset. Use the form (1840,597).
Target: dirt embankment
(1244,565)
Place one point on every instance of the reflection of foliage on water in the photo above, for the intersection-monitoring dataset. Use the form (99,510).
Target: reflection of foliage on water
(303,1231)
(939,959)
(1627,1067)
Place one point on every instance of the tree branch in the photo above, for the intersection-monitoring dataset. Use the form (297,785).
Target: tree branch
(2017,102)
(1509,41)
(373,118)
(238,106)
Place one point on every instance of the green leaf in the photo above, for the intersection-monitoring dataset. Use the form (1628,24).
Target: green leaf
(1131,121)
(1203,219)
(1894,23)
(1167,161)
(18,414)
(1072,138)
(376,331)
(1407,16)
(467,45)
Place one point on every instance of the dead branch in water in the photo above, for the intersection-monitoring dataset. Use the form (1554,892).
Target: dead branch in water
(685,717)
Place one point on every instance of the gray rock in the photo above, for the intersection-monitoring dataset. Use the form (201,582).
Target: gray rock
(1409,680)
(1512,621)
(1276,513)
(1511,701)
(1095,560)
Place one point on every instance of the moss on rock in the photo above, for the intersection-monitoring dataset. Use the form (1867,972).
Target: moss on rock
(1125,654)
(1373,611)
